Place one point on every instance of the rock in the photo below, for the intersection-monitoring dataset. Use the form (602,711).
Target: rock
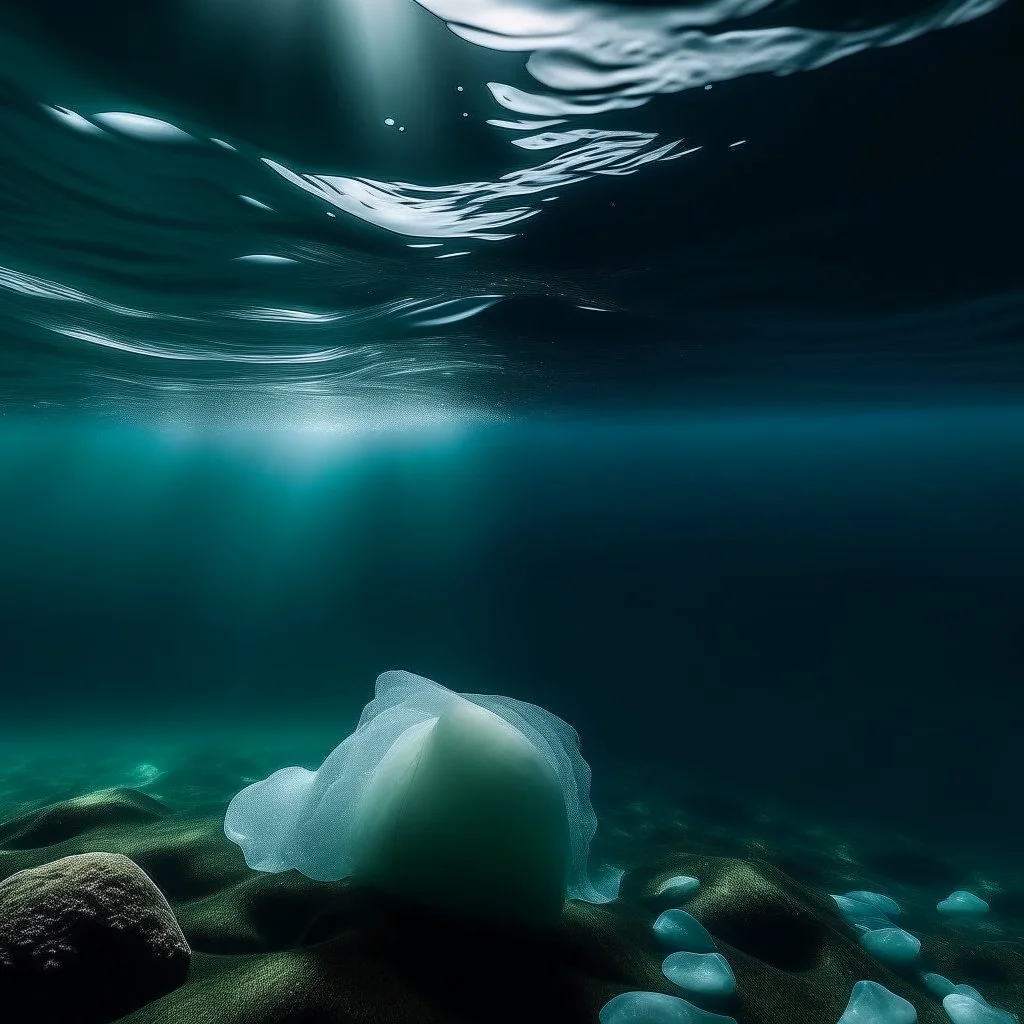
(88,939)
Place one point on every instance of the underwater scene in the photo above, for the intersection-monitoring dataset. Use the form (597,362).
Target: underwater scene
(512,511)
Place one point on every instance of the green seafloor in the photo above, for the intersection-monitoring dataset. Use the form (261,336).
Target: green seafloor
(280,947)
(784,638)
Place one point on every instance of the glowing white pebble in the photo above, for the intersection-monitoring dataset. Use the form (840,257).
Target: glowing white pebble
(942,987)
(682,931)
(937,984)
(962,904)
(389,121)
(655,1008)
(871,1003)
(892,945)
(965,1009)
(678,887)
(883,904)
(863,916)
(140,126)
(707,974)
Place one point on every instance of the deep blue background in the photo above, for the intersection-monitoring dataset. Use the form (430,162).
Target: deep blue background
(823,606)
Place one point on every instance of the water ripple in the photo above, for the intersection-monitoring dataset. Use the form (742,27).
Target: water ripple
(602,57)
(133,245)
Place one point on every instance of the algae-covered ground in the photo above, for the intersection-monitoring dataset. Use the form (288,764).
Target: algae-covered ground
(269,949)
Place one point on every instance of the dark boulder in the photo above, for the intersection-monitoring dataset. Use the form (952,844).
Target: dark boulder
(88,939)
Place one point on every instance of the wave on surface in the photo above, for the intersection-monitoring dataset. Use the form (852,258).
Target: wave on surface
(142,255)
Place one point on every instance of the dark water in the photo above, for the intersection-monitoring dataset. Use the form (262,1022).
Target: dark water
(694,415)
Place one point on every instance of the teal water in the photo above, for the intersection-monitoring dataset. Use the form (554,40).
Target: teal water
(658,364)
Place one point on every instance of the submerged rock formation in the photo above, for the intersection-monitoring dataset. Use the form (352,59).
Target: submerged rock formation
(87,939)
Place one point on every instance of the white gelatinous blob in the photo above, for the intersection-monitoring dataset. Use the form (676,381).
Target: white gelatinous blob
(475,803)
(678,887)
(141,126)
(871,1003)
(966,1009)
(464,814)
(682,931)
(883,904)
(656,1008)
(962,904)
(707,974)
(892,945)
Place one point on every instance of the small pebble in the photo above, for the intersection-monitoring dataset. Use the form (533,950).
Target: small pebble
(655,1008)
(892,946)
(871,1003)
(678,887)
(681,931)
(964,1009)
(707,974)
(962,904)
